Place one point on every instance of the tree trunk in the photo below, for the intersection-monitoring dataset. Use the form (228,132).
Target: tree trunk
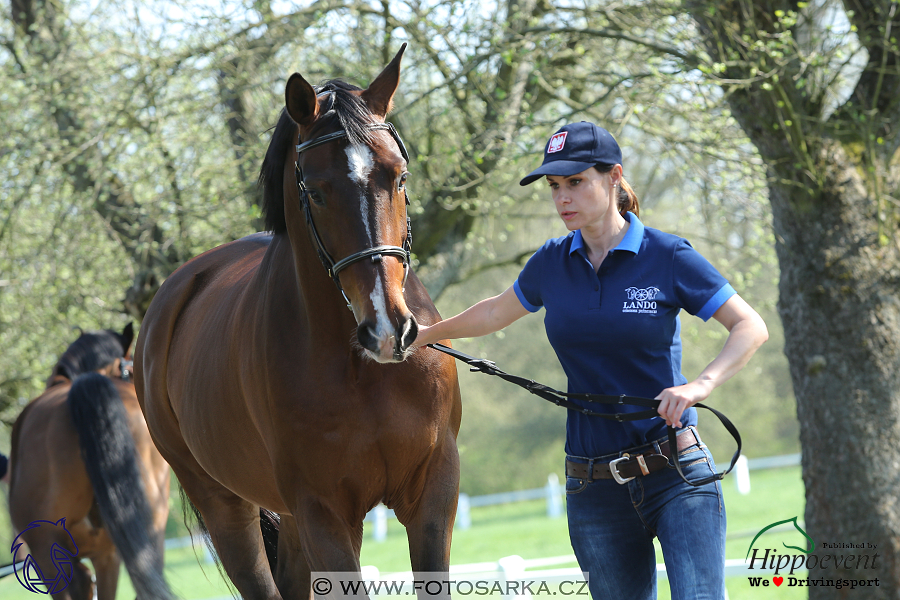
(837,247)
(841,314)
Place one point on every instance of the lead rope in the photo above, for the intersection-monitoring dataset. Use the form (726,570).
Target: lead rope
(564,399)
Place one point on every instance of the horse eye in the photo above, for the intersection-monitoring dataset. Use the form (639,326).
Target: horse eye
(402,183)
(316,198)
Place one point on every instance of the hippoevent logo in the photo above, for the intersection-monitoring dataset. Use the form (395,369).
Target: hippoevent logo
(30,574)
(771,559)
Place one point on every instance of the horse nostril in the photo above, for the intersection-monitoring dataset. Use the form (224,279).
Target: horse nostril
(365,334)
(410,331)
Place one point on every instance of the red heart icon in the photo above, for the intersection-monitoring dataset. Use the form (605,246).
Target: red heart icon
(778,580)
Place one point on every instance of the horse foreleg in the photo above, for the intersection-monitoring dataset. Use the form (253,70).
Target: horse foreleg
(106,568)
(292,573)
(233,525)
(429,521)
(330,543)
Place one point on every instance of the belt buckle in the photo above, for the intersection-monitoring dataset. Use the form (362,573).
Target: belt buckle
(614,470)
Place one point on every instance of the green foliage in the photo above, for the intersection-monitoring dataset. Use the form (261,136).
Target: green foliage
(134,133)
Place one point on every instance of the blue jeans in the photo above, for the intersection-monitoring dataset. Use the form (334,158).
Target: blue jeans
(612,527)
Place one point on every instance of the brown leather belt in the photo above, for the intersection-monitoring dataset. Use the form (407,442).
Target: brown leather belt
(628,466)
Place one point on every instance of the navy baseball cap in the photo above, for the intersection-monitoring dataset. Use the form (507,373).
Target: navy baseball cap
(575,148)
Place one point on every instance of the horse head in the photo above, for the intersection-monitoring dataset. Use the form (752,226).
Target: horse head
(104,351)
(351,171)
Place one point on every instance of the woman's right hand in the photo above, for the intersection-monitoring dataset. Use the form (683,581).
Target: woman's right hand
(421,337)
(488,316)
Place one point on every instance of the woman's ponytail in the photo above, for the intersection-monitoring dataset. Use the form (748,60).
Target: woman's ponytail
(627,200)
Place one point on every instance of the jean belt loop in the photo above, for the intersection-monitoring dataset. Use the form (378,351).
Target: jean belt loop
(590,469)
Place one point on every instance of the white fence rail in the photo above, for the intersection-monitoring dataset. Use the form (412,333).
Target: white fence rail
(554,492)
(10,569)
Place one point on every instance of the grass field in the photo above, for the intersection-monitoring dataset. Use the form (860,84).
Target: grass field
(516,529)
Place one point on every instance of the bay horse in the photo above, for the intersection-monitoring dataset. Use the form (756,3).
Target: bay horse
(263,392)
(82,458)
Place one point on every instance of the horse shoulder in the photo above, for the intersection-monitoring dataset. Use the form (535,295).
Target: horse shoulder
(190,282)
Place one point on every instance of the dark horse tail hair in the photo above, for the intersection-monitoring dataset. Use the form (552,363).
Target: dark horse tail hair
(270,523)
(109,454)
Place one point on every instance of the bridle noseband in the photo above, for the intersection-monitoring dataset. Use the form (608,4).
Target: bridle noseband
(376,253)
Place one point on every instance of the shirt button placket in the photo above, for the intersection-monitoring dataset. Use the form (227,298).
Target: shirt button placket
(593,296)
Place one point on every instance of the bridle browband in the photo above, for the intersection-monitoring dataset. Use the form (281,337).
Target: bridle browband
(334,268)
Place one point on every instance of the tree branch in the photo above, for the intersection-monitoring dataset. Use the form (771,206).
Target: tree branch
(690,59)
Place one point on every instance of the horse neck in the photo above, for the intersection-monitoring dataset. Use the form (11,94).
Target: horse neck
(328,320)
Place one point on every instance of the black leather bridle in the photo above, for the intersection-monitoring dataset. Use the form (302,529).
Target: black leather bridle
(375,254)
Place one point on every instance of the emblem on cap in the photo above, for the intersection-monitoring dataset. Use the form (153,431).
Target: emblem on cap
(557,142)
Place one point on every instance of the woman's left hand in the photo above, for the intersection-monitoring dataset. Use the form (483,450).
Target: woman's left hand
(676,400)
(746,333)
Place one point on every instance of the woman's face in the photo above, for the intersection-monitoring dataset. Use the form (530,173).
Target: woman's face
(584,199)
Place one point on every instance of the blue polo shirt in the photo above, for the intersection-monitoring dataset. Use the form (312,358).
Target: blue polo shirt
(617,331)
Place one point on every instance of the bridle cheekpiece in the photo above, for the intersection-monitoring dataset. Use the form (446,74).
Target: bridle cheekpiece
(375,254)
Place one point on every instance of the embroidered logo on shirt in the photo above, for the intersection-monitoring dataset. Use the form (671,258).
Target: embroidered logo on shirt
(641,301)
(557,142)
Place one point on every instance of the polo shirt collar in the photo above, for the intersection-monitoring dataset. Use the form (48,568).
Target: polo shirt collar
(631,242)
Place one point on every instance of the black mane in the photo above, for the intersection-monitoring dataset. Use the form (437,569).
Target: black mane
(90,352)
(352,114)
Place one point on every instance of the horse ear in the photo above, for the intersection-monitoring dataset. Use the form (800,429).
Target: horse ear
(300,100)
(381,91)
(127,338)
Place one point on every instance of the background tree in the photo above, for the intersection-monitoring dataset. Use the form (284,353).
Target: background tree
(816,88)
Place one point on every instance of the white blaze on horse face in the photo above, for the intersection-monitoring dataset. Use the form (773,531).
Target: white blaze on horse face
(383,327)
(361,162)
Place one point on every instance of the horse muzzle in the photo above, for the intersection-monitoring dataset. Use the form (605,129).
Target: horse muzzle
(387,342)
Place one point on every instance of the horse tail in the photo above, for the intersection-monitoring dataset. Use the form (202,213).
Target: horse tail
(270,523)
(111,460)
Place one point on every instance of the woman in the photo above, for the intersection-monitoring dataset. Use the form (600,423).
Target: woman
(612,289)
